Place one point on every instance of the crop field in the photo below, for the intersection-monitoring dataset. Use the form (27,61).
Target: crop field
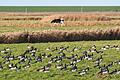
(54,54)
(58,8)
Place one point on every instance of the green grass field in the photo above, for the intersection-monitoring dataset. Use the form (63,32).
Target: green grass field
(56,74)
(58,8)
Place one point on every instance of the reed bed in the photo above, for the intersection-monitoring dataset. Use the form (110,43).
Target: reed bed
(59,36)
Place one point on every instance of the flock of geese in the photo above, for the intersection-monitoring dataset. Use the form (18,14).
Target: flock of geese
(61,58)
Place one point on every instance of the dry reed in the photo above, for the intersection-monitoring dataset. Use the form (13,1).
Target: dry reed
(58,36)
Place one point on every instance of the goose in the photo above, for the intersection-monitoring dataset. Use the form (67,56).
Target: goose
(6,62)
(74,56)
(83,71)
(117,62)
(21,61)
(12,67)
(55,49)
(59,60)
(116,71)
(18,68)
(101,58)
(38,59)
(75,49)
(1,67)
(85,52)
(74,60)
(6,57)
(63,55)
(26,52)
(97,65)
(110,64)
(117,48)
(80,59)
(104,70)
(107,46)
(71,64)
(61,52)
(98,60)
(29,47)
(85,56)
(55,59)
(20,57)
(87,68)
(49,55)
(74,68)
(43,69)
(4,51)
(59,66)
(40,69)
(88,51)
(11,57)
(62,48)
(99,51)
(64,67)
(104,48)
(93,47)
(103,67)
(48,66)
(71,57)
(33,54)
(66,48)
(46,70)
(43,55)
(48,48)
(33,51)
(93,50)
(51,60)
(8,49)
(89,57)
(26,66)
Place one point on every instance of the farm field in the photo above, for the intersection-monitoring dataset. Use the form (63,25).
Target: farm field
(85,47)
(72,20)
(37,27)
(58,8)
(110,54)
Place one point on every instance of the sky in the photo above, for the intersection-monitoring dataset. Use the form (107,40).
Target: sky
(59,2)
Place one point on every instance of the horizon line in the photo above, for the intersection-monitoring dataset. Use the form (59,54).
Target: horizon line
(59,5)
